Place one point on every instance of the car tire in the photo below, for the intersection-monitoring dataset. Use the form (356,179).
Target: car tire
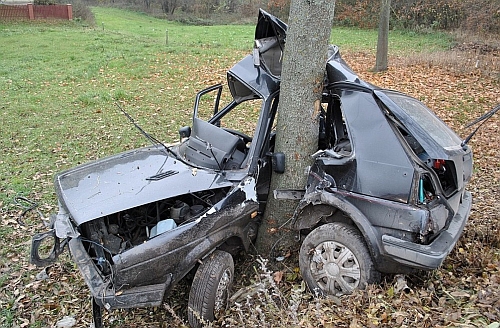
(210,288)
(334,260)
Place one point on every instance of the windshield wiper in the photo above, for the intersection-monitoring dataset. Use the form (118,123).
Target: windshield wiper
(153,140)
(482,119)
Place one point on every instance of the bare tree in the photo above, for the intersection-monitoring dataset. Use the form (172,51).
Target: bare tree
(168,6)
(303,71)
(381,62)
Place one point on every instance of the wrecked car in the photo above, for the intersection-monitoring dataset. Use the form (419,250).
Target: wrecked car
(138,222)
(386,192)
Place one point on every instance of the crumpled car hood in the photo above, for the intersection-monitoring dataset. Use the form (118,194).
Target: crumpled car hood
(128,180)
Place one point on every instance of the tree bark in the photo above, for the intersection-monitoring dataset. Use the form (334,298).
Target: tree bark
(304,63)
(381,62)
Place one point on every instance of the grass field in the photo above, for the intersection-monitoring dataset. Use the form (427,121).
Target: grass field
(58,87)
(58,83)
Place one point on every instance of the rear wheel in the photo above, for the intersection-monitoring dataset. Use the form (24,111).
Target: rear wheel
(210,288)
(334,260)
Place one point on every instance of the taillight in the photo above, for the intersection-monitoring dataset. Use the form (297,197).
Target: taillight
(438,164)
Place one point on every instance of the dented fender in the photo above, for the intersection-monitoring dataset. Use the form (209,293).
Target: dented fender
(319,204)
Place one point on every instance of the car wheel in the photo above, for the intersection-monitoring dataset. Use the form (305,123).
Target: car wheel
(334,260)
(210,289)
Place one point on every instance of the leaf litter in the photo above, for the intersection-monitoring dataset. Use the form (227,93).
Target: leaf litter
(464,292)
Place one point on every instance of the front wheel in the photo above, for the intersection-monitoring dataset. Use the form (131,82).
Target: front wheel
(334,260)
(210,288)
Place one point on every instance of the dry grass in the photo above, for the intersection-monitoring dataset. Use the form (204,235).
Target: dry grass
(470,54)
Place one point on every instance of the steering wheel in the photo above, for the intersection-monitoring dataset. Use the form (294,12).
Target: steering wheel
(246,138)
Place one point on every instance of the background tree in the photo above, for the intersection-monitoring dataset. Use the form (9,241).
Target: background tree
(381,61)
(168,6)
(303,70)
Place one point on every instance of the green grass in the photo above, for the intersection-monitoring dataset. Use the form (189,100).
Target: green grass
(400,42)
(58,83)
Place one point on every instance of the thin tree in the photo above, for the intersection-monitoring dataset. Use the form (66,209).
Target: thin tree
(381,62)
(304,63)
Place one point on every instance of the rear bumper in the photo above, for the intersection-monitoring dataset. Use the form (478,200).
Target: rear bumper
(105,294)
(429,257)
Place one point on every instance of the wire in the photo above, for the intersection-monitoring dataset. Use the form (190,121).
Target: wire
(153,140)
(31,206)
(483,118)
(97,244)
(209,147)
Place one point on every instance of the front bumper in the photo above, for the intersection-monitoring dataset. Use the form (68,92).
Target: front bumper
(105,294)
(429,257)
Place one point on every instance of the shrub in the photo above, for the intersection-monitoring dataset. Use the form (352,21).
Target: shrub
(359,13)
(82,12)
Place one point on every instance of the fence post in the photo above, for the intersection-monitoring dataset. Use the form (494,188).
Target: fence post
(30,11)
(70,11)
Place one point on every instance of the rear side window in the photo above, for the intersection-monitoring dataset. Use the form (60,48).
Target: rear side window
(424,117)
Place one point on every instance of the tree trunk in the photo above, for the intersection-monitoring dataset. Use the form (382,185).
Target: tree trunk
(381,62)
(303,70)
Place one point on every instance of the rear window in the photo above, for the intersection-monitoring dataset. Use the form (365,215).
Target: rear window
(424,117)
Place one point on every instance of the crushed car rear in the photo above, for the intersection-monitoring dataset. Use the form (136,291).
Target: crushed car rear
(444,167)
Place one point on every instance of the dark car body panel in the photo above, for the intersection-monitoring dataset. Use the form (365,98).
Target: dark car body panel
(429,256)
(378,182)
(166,258)
(375,149)
(251,78)
(102,290)
(180,248)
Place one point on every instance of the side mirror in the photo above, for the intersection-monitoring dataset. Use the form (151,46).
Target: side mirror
(185,132)
(278,162)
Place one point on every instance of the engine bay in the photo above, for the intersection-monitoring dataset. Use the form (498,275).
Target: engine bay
(114,234)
